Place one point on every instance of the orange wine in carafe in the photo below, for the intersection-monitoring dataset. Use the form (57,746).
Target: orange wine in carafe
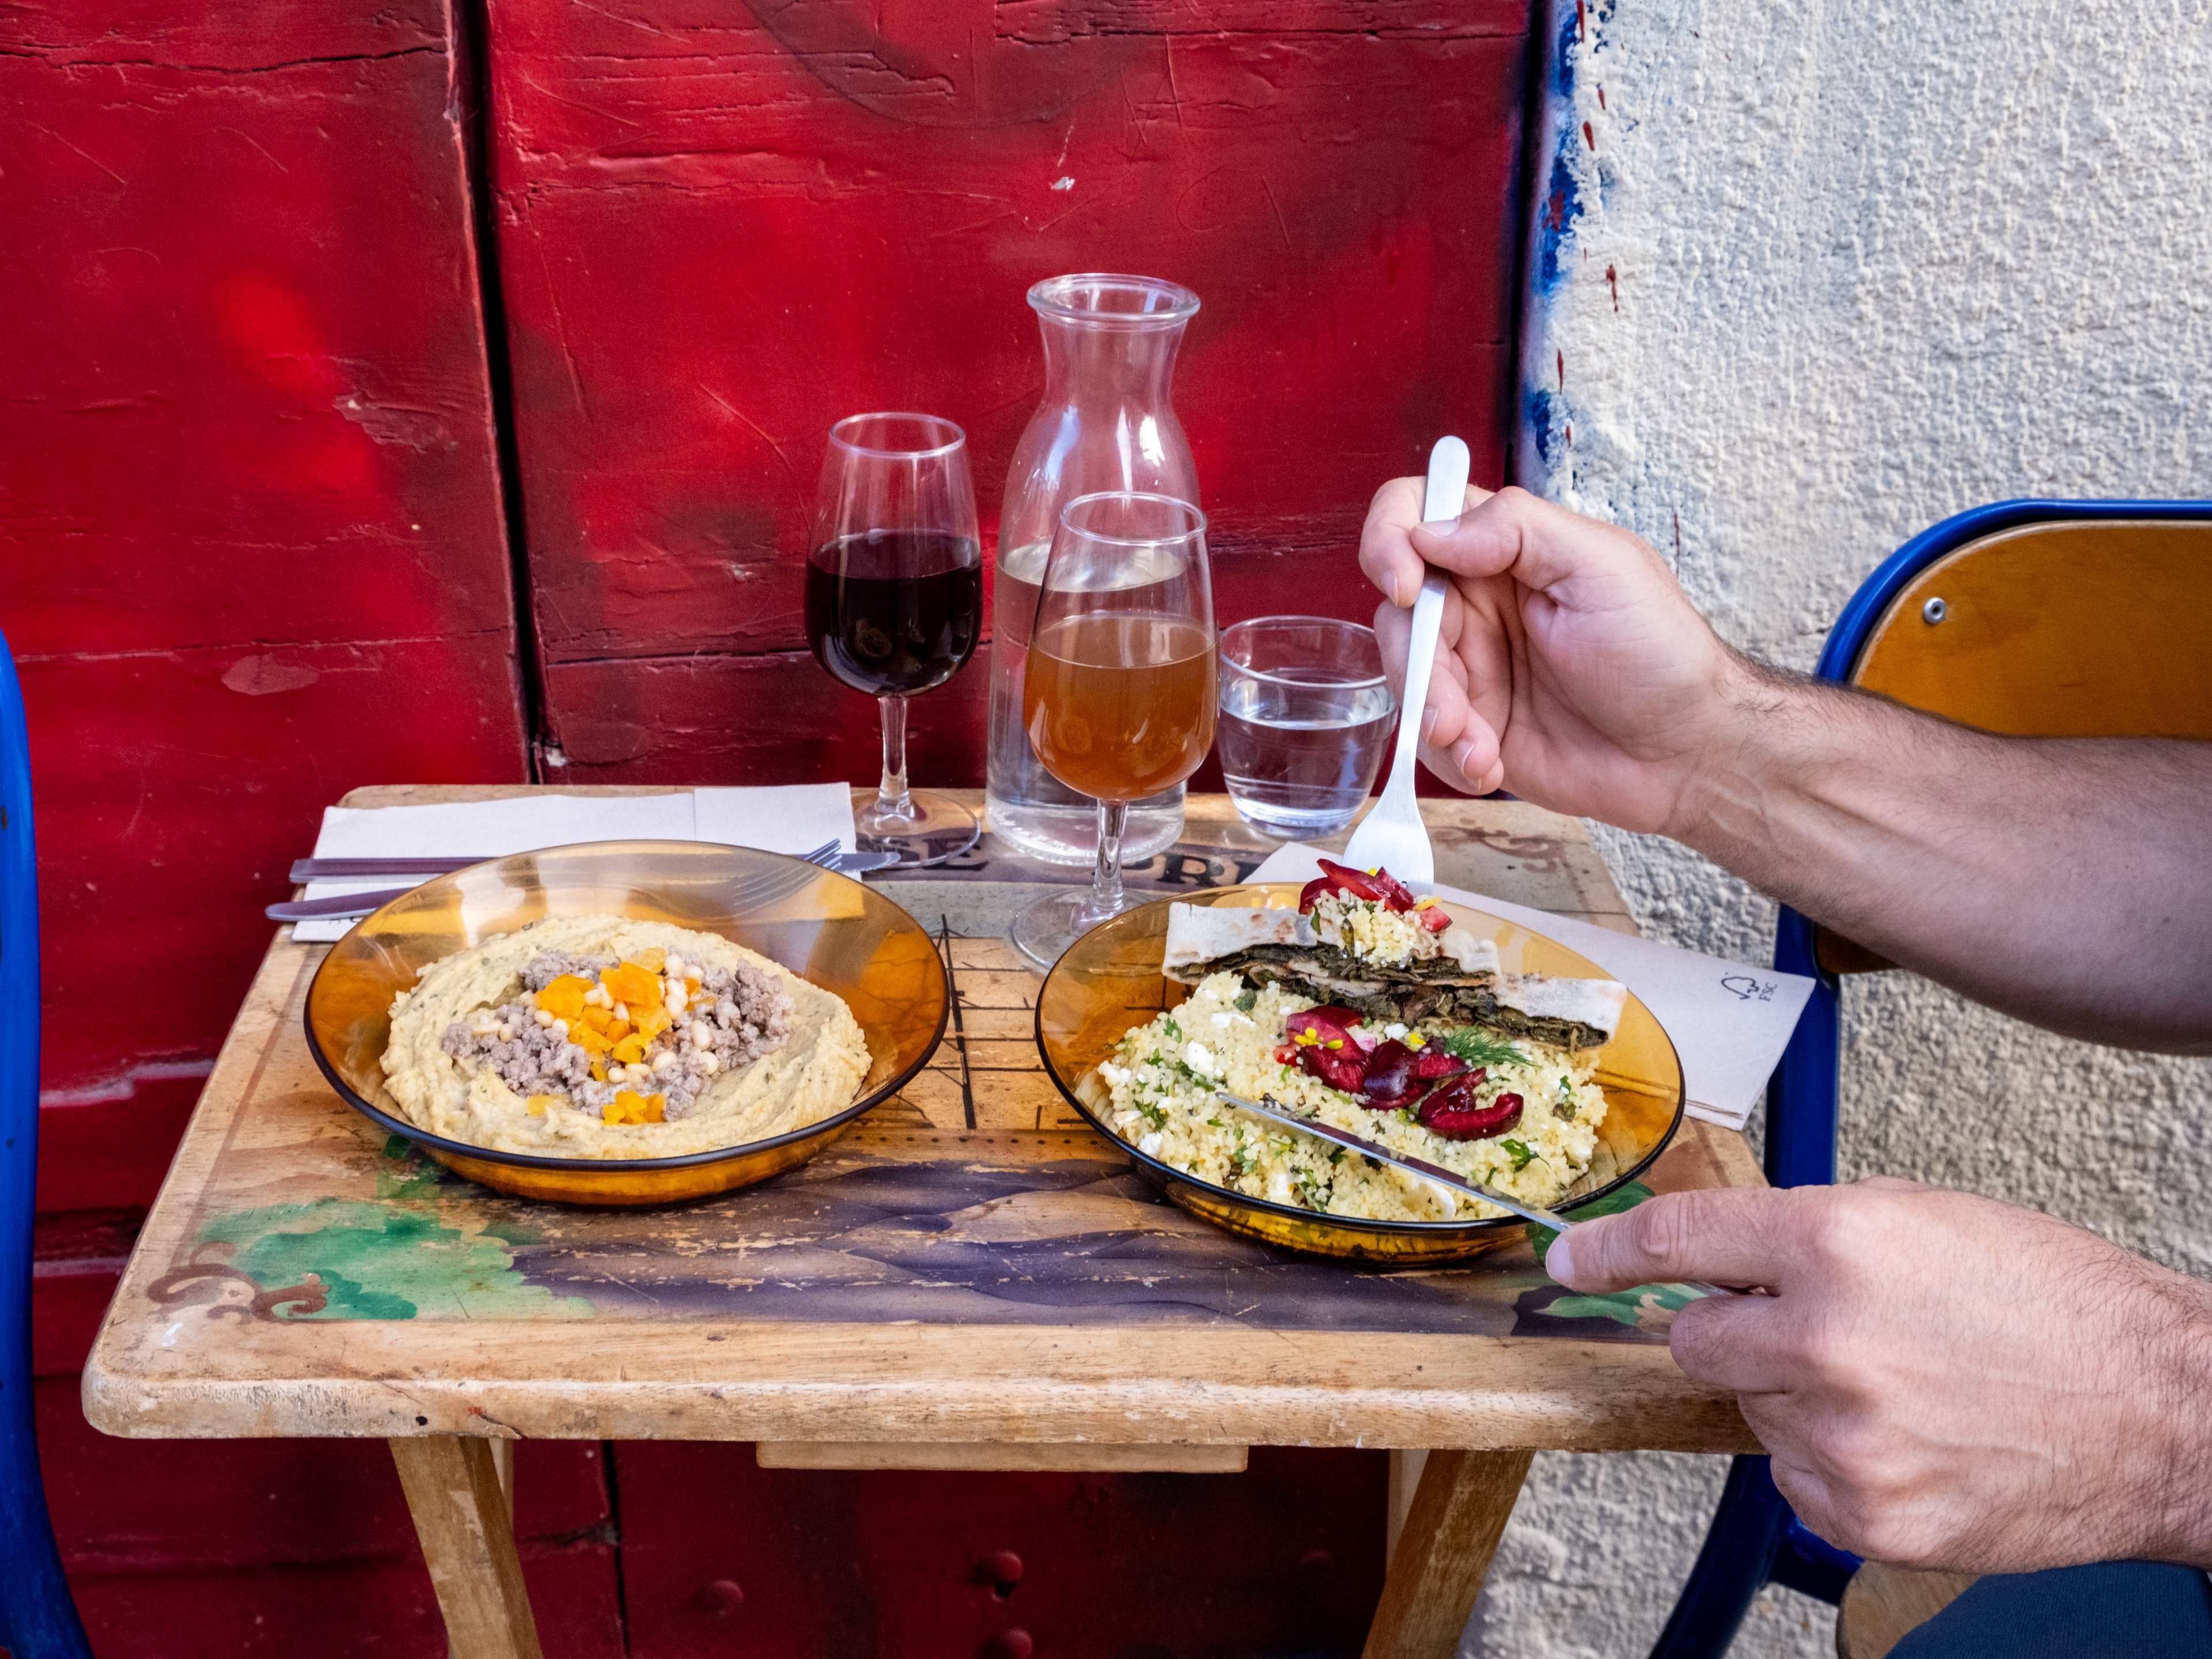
(1120,704)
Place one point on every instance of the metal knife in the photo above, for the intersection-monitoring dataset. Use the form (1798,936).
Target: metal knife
(344,906)
(1420,1166)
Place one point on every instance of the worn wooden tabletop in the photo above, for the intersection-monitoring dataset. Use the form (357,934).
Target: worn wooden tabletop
(970,1264)
(971,1279)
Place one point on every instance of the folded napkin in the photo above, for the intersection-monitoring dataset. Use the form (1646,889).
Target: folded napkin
(792,818)
(1730,1021)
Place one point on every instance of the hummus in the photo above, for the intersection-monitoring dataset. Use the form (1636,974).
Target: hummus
(529,1042)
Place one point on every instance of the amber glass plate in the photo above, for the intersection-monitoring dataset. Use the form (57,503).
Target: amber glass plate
(826,929)
(1109,981)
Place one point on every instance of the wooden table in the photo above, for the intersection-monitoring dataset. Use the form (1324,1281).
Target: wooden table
(302,1273)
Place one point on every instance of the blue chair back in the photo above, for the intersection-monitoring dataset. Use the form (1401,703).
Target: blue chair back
(38,1620)
(1755,1538)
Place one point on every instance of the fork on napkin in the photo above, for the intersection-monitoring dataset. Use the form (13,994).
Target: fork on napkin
(796,819)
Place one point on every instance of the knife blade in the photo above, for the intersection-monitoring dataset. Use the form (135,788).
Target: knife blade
(304,870)
(344,906)
(1420,1166)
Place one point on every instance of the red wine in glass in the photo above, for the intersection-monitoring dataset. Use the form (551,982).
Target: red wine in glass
(895,612)
(894,601)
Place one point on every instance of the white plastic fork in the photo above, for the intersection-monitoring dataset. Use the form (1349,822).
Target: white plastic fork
(1392,836)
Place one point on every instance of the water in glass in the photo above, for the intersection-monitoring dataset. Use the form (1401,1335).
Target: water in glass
(1306,718)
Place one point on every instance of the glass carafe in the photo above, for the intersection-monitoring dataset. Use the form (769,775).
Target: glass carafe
(1106,423)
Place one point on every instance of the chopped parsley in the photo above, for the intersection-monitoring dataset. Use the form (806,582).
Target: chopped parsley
(1478,1048)
(1312,1188)
(1152,1114)
(1520,1152)
(1245,999)
(1168,1024)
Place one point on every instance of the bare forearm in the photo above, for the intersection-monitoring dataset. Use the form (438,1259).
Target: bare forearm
(2178,1332)
(2066,881)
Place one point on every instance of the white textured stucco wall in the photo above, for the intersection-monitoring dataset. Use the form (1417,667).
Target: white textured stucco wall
(1828,272)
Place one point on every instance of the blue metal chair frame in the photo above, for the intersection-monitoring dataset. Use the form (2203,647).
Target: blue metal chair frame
(1755,1538)
(38,1620)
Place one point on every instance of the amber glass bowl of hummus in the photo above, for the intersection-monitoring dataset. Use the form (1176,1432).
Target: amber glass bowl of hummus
(830,930)
(1110,981)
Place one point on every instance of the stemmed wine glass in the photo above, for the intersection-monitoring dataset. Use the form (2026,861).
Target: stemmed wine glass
(1118,691)
(894,600)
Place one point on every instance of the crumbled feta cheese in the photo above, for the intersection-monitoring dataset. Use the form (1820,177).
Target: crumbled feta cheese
(1115,1076)
(1149,1145)
(1200,1059)
(1395,1032)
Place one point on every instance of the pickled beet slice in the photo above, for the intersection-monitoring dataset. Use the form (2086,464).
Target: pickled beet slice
(1329,1022)
(1453,1111)
(1435,918)
(1388,887)
(1344,1068)
(1394,1077)
(1358,882)
(1437,1062)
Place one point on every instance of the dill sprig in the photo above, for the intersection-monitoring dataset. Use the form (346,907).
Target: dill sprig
(1478,1048)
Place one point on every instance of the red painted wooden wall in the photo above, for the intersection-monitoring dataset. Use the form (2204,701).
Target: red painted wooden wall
(724,226)
(254,555)
(255,549)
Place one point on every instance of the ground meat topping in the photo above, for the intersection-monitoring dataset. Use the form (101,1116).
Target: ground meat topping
(718,1021)
(541,969)
(529,1058)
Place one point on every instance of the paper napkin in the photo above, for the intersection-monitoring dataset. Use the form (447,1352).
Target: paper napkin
(1730,1021)
(790,818)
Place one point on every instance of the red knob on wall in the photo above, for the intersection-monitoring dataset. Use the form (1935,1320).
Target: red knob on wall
(1009,1644)
(1002,1570)
(723,1595)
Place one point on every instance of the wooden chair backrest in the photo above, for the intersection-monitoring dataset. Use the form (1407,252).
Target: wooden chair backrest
(2070,629)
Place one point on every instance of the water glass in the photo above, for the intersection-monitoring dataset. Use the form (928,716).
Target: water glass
(1306,714)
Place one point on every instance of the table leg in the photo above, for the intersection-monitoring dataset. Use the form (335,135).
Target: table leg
(462,1515)
(502,1459)
(1458,1513)
(1405,1481)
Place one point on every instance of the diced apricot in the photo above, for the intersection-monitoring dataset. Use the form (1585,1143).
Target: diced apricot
(629,1050)
(630,1107)
(652,958)
(591,1042)
(536,1104)
(651,1022)
(629,982)
(615,1029)
(564,998)
(597,1018)
(598,1069)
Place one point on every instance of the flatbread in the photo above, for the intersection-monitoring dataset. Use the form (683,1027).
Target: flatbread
(1464,983)
(1568,1014)
(1279,947)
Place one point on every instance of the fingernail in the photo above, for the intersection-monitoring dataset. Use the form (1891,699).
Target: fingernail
(1464,758)
(1559,1261)
(1440,526)
(1397,589)
(1429,723)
